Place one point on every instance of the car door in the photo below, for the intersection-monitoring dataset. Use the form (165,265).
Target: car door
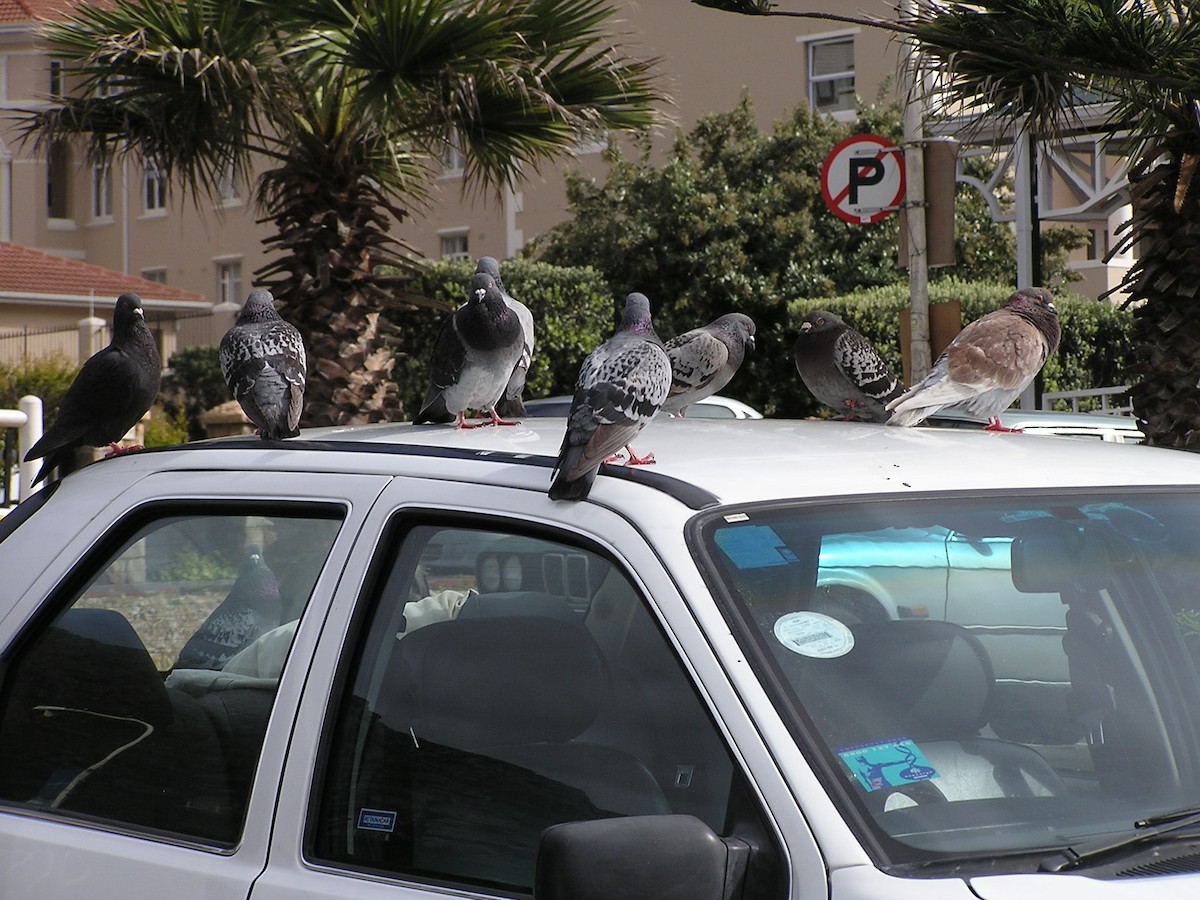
(151,674)
(497,673)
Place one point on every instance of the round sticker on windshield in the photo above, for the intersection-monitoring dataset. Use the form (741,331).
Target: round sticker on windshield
(814,634)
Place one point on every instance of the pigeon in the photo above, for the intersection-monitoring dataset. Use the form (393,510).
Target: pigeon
(703,360)
(621,385)
(988,363)
(476,351)
(510,403)
(110,394)
(264,364)
(843,369)
(252,608)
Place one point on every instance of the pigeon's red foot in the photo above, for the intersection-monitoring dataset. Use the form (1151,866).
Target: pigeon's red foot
(115,449)
(635,460)
(615,458)
(995,425)
(496,420)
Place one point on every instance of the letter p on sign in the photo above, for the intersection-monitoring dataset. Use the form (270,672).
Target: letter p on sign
(862,179)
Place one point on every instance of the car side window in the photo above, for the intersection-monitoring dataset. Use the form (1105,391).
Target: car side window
(144,700)
(504,683)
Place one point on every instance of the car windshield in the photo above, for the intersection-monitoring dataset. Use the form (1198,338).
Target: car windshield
(978,677)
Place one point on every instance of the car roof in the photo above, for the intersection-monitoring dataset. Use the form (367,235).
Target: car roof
(1050,419)
(706,462)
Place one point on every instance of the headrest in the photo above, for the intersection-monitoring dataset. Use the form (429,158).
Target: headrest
(92,659)
(491,682)
(935,677)
(517,603)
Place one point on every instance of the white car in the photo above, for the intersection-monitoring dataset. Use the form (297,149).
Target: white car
(714,406)
(380,663)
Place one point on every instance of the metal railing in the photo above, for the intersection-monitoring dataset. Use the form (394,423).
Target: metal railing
(1105,395)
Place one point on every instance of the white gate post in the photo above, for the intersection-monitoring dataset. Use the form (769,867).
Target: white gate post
(29,434)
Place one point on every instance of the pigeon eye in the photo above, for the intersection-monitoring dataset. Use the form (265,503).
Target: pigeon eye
(821,321)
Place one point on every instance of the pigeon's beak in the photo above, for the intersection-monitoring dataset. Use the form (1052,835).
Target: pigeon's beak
(750,342)
(805,327)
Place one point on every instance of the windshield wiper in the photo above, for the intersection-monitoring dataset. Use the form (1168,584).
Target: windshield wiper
(1148,830)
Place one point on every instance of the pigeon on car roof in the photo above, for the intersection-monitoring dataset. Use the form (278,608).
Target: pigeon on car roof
(510,403)
(622,384)
(843,369)
(705,359)
(473,358)
(265,366)
(988,364)
(110,394)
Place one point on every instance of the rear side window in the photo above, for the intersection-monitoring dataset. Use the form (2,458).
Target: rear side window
(144,701)
(505,683)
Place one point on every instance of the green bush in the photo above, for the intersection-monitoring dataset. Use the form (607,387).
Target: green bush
(573,312)
(193,386)
(166,429)
(48,377)
(1092,352)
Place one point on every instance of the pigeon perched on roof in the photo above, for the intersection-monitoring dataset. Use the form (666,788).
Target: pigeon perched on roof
(510,403)
(621,385)
(704,359)
(252,608)
(988,363)
(110,394)
(264,364)
(479,345)
(843,369)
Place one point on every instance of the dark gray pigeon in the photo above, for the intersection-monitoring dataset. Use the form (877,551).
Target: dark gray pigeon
(988,363)
(621,385)
(704,359)
(843,369)
(473,358)
(110,394)
(252,608)
(264,364)
(510,403)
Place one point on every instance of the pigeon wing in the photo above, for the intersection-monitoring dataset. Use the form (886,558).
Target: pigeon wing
(697,358)
(860,363)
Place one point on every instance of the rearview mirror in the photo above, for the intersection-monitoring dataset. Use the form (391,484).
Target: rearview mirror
(638,856)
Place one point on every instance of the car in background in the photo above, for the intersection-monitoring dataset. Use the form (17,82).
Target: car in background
(1117,429)
(379,662)
(714,407)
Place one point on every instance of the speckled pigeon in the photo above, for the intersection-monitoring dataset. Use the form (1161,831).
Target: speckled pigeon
(110,394)
(988,363)
(473,358)
(843,369)
(252,608)
(621,385)
(264,364)
(510,403)
(704,359)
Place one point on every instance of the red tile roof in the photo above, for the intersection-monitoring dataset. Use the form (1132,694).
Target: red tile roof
(32,10)
(26,271)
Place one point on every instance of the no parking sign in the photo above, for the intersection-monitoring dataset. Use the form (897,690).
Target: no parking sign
(862,179)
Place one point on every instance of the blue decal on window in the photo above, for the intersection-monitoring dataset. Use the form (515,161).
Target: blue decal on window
(888,764)
(754,547)
(377,820)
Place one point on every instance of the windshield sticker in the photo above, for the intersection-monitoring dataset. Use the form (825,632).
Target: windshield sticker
(377,820)
(814,634)
(754,547)
(887,765)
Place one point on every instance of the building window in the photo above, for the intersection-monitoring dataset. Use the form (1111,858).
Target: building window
(58,178)
(154,192)
(455,246)
(102,191)
(453,162)
(229,281)
(227,189)
(831,75)
(158,275)
(56,78)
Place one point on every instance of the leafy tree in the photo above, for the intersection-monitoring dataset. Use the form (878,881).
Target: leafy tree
(195,384)
(734,220)
(344,105)
(1035,65)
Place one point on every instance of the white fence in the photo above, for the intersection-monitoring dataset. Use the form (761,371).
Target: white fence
(1106,396)
(22,428)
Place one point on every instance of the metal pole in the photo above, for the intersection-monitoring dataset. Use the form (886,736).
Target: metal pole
(914,205)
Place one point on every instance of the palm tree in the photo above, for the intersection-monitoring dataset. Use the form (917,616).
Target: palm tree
(344,106)
(1035,64)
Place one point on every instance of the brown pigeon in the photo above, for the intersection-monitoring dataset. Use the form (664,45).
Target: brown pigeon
(704,359)
(988,364)
(621,386)
(843,369)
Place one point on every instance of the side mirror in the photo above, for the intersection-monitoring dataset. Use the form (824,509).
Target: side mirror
(638,856)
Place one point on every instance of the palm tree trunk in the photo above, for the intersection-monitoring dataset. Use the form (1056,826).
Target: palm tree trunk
(1163,288)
